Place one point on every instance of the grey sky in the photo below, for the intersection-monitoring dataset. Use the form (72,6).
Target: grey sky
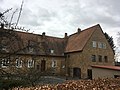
(55,17)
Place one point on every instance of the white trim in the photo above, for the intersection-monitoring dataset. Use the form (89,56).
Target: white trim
(18,63)
(30,63)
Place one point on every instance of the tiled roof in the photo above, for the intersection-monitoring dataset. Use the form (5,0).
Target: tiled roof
(77,41)
(42,45)
(107,67)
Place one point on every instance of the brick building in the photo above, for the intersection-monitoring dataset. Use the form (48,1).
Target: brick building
(72,55)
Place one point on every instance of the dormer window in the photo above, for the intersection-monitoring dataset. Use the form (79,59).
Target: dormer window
(51,51)
(30,63)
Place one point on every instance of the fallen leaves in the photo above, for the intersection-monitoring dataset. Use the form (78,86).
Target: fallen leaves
(98,84)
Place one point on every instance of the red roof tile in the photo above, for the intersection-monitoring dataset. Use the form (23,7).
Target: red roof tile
(77,41)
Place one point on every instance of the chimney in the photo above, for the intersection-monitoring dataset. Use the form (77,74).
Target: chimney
(2,25)
(65,35)
(79,30)
(43,35)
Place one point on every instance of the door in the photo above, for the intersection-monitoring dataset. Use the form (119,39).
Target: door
(77,72)
(89,71)
(43,64)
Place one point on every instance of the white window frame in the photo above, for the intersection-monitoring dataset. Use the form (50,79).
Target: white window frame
(100,45)
(51,51)
(104,45)
(54,63)
(30,63)
(94,44)
(4,61)
(18,63)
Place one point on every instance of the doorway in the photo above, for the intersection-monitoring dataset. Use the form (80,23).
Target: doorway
(89,72)
(77,72)
(43,64)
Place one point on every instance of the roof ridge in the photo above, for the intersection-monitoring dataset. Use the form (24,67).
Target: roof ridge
(85,29)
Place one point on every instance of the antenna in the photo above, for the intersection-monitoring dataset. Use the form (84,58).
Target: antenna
(19,13)
(12,17)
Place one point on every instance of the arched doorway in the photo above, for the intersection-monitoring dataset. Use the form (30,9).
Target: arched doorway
(43,64)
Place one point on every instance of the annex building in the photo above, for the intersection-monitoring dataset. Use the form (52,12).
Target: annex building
(72,55)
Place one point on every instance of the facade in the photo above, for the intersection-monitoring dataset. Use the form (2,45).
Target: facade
(72,55)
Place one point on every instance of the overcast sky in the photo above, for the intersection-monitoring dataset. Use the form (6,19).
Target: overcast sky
(56,17)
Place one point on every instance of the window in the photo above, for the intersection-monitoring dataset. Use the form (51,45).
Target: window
(54,63)
(94,44)
(104,45)
(51,51)
(18,63)
(99,58)
(93,57)
(100,45)
(31,49)
(30,63)
(105,58)
(5,62)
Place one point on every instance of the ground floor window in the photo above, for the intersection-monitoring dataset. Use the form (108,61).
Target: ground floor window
(4,62)
(30,63)
(18,63)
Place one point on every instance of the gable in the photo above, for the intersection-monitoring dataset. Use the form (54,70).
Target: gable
(77,41)
(99,37)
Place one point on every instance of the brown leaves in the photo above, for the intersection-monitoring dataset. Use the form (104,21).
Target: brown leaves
(98,84)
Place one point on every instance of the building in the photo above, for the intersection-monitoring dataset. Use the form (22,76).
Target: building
(106,71)
(72,55)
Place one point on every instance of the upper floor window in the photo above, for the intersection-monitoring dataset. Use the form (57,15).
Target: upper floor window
(105,58)
(93,57)
(94,44)
(100,45)
(104,45)
(99,58)
(18,63)
(30,63)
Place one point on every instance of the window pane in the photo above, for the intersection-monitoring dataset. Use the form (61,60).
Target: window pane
(99,45)
(93,57)
(94,44)
(30,63)
(18,63)
(106,58)
(104,45)
(100,58)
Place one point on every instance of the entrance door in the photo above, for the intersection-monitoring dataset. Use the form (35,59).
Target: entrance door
(89,71)
(43,63)
(77,72)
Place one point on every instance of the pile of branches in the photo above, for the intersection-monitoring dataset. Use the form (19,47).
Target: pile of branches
(98,84)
